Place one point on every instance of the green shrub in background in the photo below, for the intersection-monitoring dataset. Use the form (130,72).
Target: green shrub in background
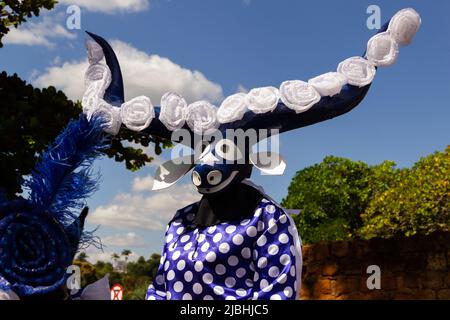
(417,201)
(343,199)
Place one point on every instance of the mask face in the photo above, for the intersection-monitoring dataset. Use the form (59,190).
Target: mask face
(220,165)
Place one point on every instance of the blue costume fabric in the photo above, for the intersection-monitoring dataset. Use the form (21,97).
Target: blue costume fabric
(258,257)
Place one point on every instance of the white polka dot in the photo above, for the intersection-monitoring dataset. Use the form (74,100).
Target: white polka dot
(255,296)
(220,269)
(283,218)
(169,238)
(178,286)
(230,298)
(151,298)
(180,230)
(185,238)
(245,222)
(273,249)
(211,257)
(212,229)
(264,200)
(207,278)
(176,255)
(233,261)
(205,247)
(186,296)
(249,283)
(166,265)
(272,227)
(177,222)
(292,271)
(208,297)
(246,253)
(282,279)
(172,246)
(240,272)
(170,275)
(160,293)
(256,277)
(217,237)
(181,264)
(263,284)
(224,247)
(255,254)
(262,240)
(241,292)
(198,266)
(188,275)
(218,290)
(283,238)
(270,209)
(285,259)
(252,266)
(292,249)
(292,230)
(262,262)
(251,231)
(201,238)
(197,288)
(230,282)
(288,292)
(169,296)
(258,212)
(275,297)
(238,239)
(188,246)
(260,226)
(274,272)
(159,279)
(268,288)
(230,229)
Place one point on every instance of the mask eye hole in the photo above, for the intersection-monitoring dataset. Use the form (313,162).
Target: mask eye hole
(214,177)
(227,150)
(196,179)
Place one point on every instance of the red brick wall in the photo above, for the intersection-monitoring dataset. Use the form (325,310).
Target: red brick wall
(411,268)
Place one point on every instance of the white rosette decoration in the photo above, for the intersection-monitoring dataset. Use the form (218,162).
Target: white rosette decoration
(262,100)
(298,95)
(382,50)
(201,117)
(138,113)
(173,111)
(328,84)
(95,52)
(110,115)
(358,71)
(232,108)
(404,26)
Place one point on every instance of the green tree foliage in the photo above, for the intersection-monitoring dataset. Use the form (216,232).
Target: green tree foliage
(31,118)
(418,201)
(14,12)
(341,199)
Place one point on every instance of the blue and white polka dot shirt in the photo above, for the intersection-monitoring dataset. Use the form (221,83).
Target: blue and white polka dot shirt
(256,258)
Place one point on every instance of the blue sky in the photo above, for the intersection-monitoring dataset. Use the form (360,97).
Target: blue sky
(239,44)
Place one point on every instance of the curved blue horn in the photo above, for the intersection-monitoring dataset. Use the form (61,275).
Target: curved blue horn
(115,93)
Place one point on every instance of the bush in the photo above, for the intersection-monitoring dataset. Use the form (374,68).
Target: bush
(342,199)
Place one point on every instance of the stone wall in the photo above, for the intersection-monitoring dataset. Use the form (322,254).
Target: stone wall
(411,268)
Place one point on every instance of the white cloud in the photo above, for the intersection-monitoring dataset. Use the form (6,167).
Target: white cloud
(95,255)
(137,211)
(142,184)
(110,6)
(144,74)
(39,33)
(127,240)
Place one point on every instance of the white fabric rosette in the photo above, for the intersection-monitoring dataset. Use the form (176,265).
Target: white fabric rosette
(97,79)
(298,95)
(201,117)
(382,50)
(110,115)
(404,26)
(328,84)
(232,108)
(138,113)
(173,111)
(358,71)
(94,51)
(262,100)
